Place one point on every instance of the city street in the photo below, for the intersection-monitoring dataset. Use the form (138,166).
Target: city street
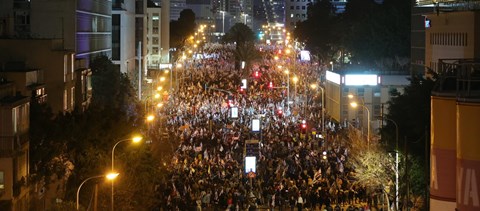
(214,122)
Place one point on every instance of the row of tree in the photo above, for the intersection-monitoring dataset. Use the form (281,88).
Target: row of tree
(73,146)
(367,32)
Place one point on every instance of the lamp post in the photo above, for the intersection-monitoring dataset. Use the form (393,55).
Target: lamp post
(354,105)
(110,176)
(223,22)
(314,86)
(295,79)
(331,63)
(396,160)
(288,89)
(135,139)
(244,18)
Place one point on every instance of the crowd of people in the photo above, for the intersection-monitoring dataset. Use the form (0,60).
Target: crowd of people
(297,167)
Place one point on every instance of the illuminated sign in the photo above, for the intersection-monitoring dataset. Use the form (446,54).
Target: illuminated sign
(234,112)
(333,77)
(255,125)
(250,164)
(244,84)
(360,80)
(305,55)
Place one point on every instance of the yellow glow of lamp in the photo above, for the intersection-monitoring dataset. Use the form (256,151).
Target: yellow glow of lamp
(112,175)
(354,104)
(150,118)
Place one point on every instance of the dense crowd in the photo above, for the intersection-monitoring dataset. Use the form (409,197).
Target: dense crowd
(296,168)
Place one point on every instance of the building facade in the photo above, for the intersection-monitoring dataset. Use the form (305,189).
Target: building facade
(123,35)
(154,48)
(14,147)
(370,91)
(452,52)
(59,69)
(84,25)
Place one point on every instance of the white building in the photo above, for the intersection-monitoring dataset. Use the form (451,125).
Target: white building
(153,46)
(123,35)
(371,92)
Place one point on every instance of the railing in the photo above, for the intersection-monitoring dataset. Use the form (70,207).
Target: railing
(459,76)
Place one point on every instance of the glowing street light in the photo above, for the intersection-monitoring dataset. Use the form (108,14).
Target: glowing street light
(111,176)
(354,105)
(134,139)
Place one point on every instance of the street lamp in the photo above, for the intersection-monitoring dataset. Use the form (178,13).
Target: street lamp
(295,79)
(110,176)
(331,63)
(288,89)
(244,18)
(354,105)
(314,86)
(135,139)
(223,22)
(396,160)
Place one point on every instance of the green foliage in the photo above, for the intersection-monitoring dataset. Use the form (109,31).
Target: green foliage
(374,167)
(370,33)
(138,179)
(411,111)
(377,31)
(248,53)
(82,140)
(182,28)
(239,33)
(318,32)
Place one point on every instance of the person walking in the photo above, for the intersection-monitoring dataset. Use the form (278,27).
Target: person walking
(300,202)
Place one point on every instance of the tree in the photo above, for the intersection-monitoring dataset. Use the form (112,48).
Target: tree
(318,31)
(243,37)
(374,167)
(411,111)
(377,31)
(182,28)
(75,145)
(240,34)
(247,53)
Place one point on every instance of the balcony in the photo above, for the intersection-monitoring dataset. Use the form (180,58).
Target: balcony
(9,144)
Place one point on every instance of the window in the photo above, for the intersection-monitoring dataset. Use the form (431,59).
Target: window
(292,7)
(72,60)
(303,7)
(72,98)
(65,67)
(298,7)
(361,92)
(65,100)
(2,181)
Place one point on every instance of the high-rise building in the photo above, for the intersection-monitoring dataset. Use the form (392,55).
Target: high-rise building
(176,6)
(84,25)
(154,48)
(123,35)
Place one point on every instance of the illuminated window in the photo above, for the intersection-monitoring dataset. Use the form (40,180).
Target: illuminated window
(72,60)
(2,181)
(65,100)
(65,67)
(72,98)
